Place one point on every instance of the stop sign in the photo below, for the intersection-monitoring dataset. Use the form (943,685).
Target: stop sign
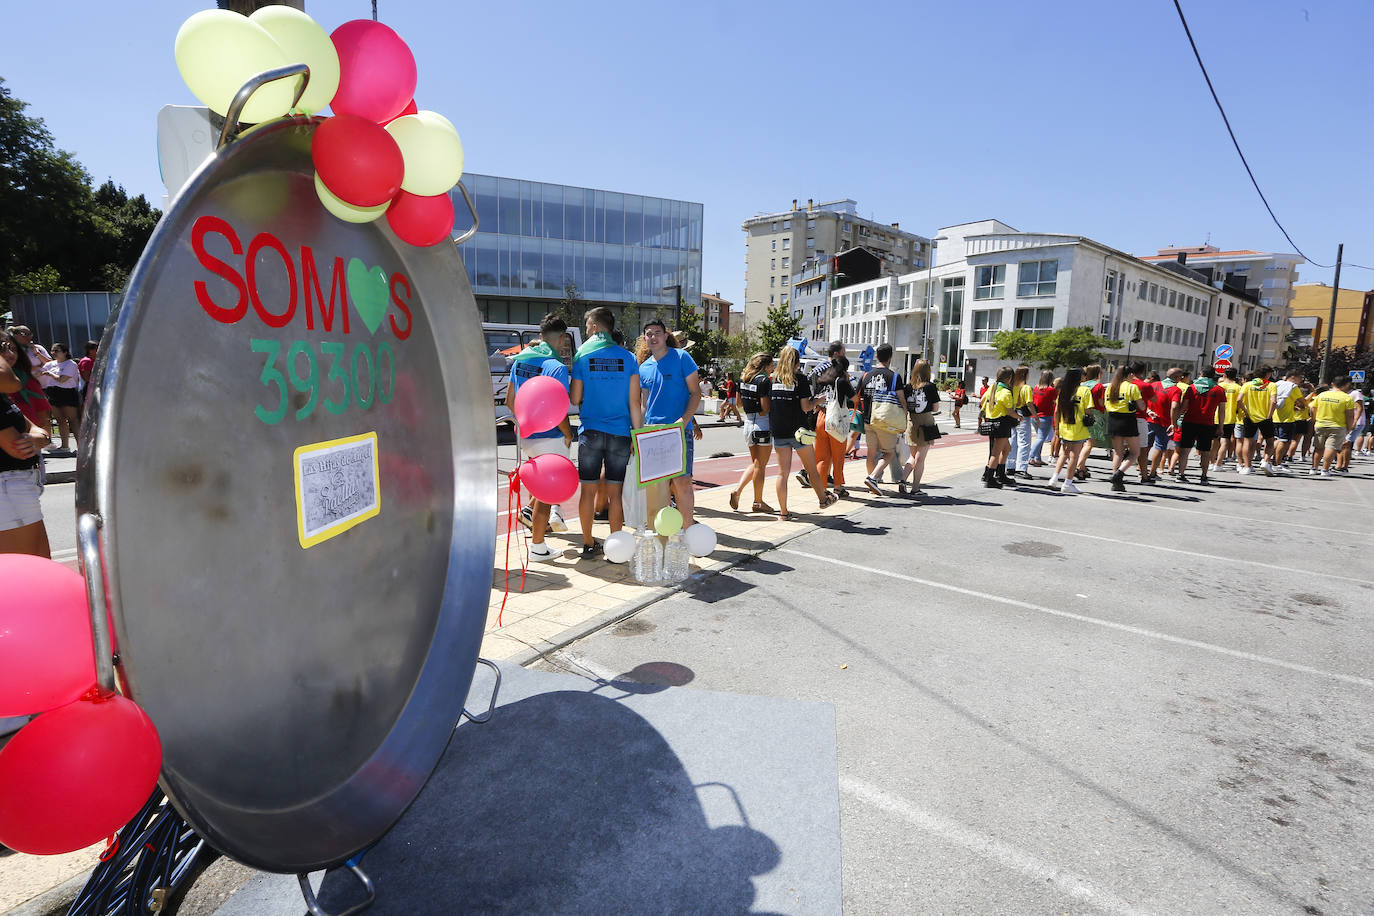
(1221,365)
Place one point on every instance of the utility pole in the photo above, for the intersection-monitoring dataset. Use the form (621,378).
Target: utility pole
(1331,321)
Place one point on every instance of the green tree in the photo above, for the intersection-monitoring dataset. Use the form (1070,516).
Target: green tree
(629,323)
(1072,347)
(571,307)
(45,279)
(1016,346)
(777,328)
(1308,361)
(689,324)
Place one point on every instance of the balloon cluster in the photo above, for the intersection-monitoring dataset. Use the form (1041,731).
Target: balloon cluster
(379,154)
(82,768)
(540,405)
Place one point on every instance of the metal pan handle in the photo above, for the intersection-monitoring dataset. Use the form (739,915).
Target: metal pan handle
(88,545)
(476,220)
(314,907)
(231,117)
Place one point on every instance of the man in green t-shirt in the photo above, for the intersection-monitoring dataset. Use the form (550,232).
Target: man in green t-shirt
(1334,412)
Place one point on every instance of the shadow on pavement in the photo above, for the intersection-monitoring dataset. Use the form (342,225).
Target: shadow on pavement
(565,802)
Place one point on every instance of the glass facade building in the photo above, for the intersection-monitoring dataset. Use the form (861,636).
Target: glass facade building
(534,239)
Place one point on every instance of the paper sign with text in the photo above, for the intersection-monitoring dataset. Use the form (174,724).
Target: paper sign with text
(662,452)
(338,486)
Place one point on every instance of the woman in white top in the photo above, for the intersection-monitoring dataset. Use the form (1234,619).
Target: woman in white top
(64,378)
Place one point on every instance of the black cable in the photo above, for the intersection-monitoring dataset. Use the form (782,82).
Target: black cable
(1236,143)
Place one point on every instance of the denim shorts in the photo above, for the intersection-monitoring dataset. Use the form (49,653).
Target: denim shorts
(787,443)
(756,430)
(598,451)
(20,494)
(1156,436)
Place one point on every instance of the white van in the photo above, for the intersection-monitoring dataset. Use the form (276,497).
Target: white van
(504,341)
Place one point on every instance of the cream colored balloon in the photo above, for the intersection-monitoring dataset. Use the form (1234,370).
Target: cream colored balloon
(218,51)
(346,211)
(305,42)
(432,152)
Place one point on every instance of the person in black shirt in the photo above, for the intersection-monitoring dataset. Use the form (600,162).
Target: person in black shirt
(754,397)
(790,401)
(880,386)
(21,513)
(922,401)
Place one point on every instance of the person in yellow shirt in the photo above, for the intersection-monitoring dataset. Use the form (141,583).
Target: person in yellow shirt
(1072,414)
(999,407)
(1123,400)
(1287,400)
(1254,418)
(1023,395)
(1334,412)
(1226,445)
(1304,425)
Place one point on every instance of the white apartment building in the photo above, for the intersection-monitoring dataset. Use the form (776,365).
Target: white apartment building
(1268,275)
(988,277)
(777,245)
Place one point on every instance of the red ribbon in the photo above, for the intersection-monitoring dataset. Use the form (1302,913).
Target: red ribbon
(512,507)
(111,847)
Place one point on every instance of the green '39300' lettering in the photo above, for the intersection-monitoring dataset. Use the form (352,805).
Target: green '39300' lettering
(343,374)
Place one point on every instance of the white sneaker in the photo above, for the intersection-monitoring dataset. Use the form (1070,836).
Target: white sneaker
(1326,473)
(1069,488)
(556,522)
(1267,468)
(1242,470)
(1054,480)
(541,553)
(1313,472)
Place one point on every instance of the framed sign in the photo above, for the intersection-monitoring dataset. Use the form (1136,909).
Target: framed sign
(338,486)
(662,452)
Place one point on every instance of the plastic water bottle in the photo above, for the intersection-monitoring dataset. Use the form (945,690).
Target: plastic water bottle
(647,562)
(676,558)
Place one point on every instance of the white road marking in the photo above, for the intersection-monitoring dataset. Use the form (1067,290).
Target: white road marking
(990,848)
(1187,553)
(1082,618)
(1221,515)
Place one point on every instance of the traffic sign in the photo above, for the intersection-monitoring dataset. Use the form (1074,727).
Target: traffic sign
(1357,376)
(1224,351)
(1221,365)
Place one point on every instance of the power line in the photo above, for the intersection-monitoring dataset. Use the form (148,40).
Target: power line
(1236,143)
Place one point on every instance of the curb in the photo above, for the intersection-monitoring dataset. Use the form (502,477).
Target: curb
(53,901)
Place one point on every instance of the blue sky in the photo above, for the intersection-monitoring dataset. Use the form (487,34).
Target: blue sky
(1078,116)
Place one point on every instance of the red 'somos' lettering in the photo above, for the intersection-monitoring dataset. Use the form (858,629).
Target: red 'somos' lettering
(338,282)
(199,229)
(266,240)
(402,304)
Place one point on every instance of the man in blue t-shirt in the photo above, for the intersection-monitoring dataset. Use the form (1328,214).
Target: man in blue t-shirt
(542,359)
(605,382)
(671,392)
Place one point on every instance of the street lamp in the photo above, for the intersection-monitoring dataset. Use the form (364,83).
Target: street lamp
(930,294)
(1135,339)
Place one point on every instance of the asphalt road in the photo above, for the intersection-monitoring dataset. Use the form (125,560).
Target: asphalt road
(1157,703)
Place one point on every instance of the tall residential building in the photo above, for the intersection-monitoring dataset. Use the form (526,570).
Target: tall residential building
(533,239)
(715,313)
(1354,311)
(778,244)
(989,278)
(1271,277)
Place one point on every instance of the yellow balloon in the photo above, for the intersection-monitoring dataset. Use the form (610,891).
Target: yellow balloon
(346,211)
(304,42)
(217,51)
(432,152)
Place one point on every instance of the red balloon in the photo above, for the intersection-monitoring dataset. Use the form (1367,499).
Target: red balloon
(377,73)
(409,109)
(357,160)
(47,654)
(421,221)
(75,775)
(549,478)
(540,405)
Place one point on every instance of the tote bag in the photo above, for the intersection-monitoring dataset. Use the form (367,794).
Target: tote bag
(889,416)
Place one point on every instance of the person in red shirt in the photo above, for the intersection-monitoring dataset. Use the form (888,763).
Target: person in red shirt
(1044,396)
(1195,418)
(1151,391)
(1169,410)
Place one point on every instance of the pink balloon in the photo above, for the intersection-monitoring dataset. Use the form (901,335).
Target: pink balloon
(549,478)
(421,221)
(540,405)
(47,654)
(75,775)
(377,73)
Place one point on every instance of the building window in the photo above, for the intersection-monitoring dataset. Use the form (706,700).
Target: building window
(882,299)
(1041,321)
(773,265)
(775,225)
(1142,290)
(991,282)
(787,224)
(770,298)
(1173,299)
(786,262)
(1104,326)
(986,323)
(772,282)
(868,301)
(1036,278)
(811,224)
(1111,285)
(810,243)
(775,244)
(1154,292)
(904,296)
(952,308)
(786,244)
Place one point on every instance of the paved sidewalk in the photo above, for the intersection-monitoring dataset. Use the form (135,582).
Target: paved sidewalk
(566,598)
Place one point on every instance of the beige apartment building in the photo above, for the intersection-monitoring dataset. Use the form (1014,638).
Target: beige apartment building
(778,244)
